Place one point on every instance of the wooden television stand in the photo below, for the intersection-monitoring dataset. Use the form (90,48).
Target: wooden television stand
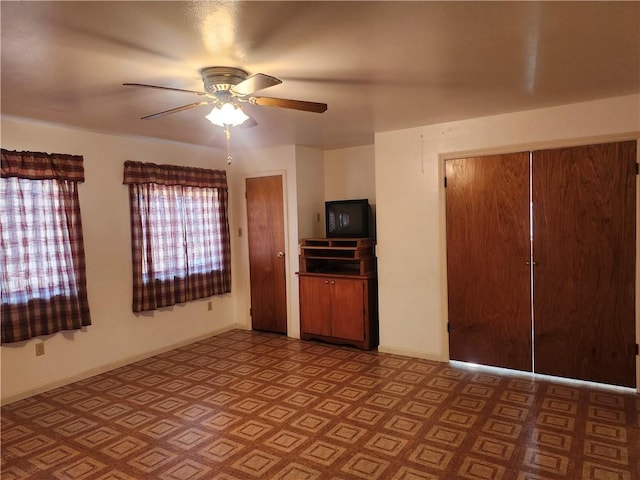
(339,291)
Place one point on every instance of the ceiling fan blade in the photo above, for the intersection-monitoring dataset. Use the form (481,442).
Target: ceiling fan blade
(287,103)
(256,82)
(164,88)
(176,110)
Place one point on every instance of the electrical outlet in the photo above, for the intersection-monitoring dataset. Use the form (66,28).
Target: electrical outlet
(209,306)
(39,349)
(239,232)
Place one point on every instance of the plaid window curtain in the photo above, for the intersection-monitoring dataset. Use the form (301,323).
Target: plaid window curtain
(179,234)
(42,259)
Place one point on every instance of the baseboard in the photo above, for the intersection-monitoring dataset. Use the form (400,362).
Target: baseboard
(113,365)
(405,352)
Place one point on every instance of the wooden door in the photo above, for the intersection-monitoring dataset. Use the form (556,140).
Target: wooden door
(315,305)
(347,308)
(488,250)
(584,247)
(265,231)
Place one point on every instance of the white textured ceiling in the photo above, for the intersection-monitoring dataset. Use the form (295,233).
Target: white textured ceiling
(378,65)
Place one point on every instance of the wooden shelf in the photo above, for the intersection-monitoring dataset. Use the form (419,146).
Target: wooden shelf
(338,291)
(336,242)
(355,256)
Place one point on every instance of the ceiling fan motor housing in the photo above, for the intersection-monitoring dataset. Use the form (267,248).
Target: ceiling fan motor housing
(221,79)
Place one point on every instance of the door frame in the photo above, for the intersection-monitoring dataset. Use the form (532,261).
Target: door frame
(287,243)
(575,142)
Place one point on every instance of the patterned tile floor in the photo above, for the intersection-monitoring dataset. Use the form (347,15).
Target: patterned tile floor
(247,405)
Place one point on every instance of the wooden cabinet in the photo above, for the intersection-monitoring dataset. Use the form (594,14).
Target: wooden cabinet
(338,304)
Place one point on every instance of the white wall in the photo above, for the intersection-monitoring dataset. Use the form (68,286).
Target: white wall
(116,335)
(349,173)
(410,204)
(300,167)
(310,187)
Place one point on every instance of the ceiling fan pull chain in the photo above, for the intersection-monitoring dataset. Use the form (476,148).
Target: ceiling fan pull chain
(228,133)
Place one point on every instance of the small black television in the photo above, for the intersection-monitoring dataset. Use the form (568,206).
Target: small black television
(348,218)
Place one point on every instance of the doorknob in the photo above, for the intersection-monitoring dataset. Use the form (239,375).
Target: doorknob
(280,254)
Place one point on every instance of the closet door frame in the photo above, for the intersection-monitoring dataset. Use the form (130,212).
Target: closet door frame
(443,157)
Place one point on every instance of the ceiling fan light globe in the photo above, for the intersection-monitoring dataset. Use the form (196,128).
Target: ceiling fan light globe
(228,114)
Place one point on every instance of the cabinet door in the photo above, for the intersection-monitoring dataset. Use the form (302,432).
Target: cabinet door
(315,306)
(347,308)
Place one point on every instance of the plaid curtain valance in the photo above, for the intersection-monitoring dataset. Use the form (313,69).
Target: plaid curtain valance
(141,173)
(42,166)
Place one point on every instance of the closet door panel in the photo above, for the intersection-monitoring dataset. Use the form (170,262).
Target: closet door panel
(584,247)
(488,247)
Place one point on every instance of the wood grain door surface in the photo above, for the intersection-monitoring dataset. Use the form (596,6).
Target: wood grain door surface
(315,305)
(584,247)
(488,247)
(265,231)
(347,308)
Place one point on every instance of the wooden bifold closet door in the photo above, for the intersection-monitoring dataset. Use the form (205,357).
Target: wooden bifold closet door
(581,322)
(584,245)
(487,253)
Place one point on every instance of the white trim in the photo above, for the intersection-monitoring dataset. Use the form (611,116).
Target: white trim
(544,145)
(405,352)
(113,365)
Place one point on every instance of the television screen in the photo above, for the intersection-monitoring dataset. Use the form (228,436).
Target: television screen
(347,218)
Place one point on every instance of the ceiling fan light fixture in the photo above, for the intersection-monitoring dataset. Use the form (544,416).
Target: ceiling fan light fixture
(228,114)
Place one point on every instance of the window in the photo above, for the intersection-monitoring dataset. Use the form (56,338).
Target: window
(42,259)
(179,234)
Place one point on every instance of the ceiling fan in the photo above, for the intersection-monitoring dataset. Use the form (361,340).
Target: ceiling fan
(233,86)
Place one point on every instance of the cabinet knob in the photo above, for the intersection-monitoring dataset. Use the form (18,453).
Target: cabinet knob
(333,283)
(326,282)
(280,254)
